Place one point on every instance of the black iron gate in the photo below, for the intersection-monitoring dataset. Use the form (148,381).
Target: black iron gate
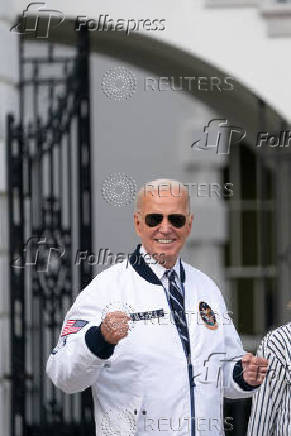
(48,151)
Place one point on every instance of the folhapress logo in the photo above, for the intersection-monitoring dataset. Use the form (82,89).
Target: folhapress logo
(36,18)
(220,135)
(270,140)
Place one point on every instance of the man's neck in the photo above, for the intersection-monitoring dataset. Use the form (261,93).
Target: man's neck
(164,261)
(168,263)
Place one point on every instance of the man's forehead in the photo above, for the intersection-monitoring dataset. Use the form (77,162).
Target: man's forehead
(163,200)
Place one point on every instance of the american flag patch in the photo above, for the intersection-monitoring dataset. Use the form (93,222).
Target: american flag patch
(73,326)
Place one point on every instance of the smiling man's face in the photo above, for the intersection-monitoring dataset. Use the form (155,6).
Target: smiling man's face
(164,240)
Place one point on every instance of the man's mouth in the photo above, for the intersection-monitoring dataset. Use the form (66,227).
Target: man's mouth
(165,241)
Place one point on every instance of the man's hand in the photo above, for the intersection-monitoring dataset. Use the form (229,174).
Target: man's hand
(254,369)
(115,327)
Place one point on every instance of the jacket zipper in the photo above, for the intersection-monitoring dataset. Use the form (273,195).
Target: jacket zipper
(192,398)
(189,365)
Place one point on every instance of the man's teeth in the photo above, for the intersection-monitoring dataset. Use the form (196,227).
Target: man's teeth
(165,241)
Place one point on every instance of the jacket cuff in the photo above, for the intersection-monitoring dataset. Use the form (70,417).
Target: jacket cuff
(238,378)
(97,344)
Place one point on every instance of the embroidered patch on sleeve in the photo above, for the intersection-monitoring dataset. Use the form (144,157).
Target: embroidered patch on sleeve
(73,326)
(208,316)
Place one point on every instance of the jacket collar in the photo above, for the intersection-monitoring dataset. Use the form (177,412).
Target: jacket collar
(152,273)
(157,268)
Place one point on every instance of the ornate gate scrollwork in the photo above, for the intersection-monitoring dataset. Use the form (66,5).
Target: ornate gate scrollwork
(49,171)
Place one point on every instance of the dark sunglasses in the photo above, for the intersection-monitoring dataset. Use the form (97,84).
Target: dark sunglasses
(154,219)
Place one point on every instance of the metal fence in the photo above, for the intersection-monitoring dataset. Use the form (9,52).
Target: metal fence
(48,150)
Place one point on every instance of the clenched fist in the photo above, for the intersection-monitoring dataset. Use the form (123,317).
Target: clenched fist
(115,327)
(254,369)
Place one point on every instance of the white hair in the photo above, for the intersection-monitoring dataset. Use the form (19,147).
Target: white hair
(155,185)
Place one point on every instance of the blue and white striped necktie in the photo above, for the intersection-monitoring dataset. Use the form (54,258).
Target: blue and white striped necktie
(176,300)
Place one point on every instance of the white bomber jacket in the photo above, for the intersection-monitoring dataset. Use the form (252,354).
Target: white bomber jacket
(145,385)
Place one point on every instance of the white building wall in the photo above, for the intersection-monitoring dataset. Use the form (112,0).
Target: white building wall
(232,38)
(9,102)
(149,136)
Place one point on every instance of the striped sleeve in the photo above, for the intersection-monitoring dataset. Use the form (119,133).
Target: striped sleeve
(267,401)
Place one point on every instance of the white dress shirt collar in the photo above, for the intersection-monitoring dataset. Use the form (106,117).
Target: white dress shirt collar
(157,268)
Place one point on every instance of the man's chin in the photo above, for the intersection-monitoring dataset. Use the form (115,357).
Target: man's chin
(166,252)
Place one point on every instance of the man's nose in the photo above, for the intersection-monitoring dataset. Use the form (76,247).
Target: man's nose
(165,226)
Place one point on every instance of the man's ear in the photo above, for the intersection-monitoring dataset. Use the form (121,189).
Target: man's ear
(190,222)
(136,218)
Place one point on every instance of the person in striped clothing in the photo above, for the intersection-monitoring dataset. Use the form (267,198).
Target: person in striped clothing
(271,407)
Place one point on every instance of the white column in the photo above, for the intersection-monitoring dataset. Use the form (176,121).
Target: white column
(204,248)
(9,103)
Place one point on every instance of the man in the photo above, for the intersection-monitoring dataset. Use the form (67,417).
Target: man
(166,371)
(271,410)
